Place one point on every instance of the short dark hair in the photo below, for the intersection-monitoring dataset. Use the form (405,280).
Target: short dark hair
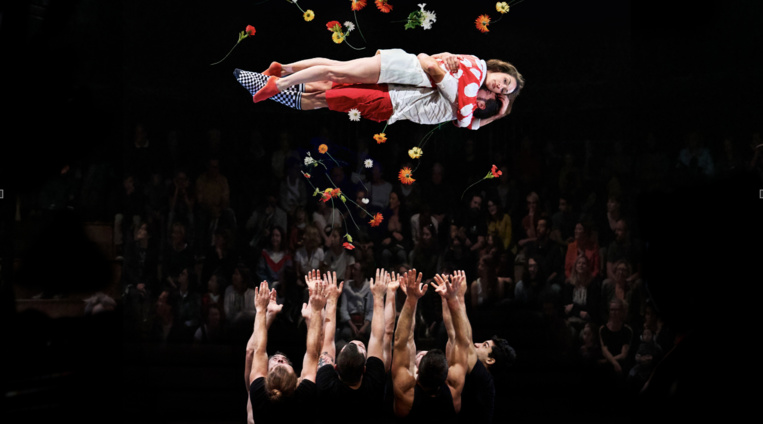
(433,370)
(503,355)
(350,364)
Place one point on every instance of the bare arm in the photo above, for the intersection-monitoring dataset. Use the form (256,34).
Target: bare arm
(270,314)
(457,363)
(259,344)
(403,380)
(329,320)
(314,330)
(390,316)
(378,289)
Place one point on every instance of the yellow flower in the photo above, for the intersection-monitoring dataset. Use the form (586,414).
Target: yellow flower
(338,37)
(415,153)
(380,138)
(502,7)
(308,15)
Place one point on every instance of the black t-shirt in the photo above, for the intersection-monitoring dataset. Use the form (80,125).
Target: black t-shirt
(366,401)
(478,396)
(297,408)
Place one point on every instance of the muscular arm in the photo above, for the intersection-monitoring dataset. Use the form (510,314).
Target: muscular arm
(329,321)
(457,362)
(259,342)
(314,332)
(272,310)
(390,316)
(403,380)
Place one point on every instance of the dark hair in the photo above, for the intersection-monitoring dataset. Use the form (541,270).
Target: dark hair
(433,370)
(495,65)
(492,107)
(503,354)
(350,364)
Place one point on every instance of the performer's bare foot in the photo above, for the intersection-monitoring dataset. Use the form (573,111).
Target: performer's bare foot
(268,91)
(273,70)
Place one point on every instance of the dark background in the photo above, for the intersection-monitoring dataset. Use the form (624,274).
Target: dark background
(79,74)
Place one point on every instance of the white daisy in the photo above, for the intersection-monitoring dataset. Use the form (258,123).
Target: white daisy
(365,200)
(349,25)
(309,160)
(354,115)
(368,163)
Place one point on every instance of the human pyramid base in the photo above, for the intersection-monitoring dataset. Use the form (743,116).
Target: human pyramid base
(386,380)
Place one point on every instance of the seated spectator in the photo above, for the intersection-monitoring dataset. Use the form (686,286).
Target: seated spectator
(581,297)
(274,258)
(337,258)
(584,244)
(238,303)
(627,290)
(616,339)
(356,307)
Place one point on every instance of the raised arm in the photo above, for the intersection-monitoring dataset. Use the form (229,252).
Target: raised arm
(270,314)
(259,341)
(334,291)
(403,379)
(448,288)
(316,303)
(390,316)
(378,289)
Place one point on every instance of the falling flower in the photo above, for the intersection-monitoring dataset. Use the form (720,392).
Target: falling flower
(350,26)
(354,115)
(309,15)
(348,246)
(365,200)
(248,31)
(420,18)
(309,160)
(406,176)
(323,148)
(380,138)
(415,153)
(482,22)
(337,37)
(358,5)
(368,163)
(305,174)
(502,7)
(495,172)
(383,5)
(334,26)
(377,219)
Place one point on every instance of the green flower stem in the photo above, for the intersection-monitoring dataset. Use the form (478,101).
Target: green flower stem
(358,26)
(242,35)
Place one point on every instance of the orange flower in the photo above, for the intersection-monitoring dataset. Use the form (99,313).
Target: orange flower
(358,5)
(323,148)
(336,192)
(380,138)
(406,176)
(496,173)
(383,5)
(376,220)
(482,22)
(348,246)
